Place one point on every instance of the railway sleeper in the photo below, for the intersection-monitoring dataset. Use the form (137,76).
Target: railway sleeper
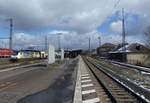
(124,96)
(121,93)
(127,100)
(118,90)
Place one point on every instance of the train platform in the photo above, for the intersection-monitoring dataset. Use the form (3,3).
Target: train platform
(39,84)
(85,90)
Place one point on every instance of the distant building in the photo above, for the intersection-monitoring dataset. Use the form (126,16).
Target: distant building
(104,50)
(134,54)
(72,53)
(93,52)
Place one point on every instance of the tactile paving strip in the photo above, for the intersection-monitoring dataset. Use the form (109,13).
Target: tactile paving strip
(88,91)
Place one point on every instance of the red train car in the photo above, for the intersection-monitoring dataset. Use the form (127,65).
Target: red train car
(5,53)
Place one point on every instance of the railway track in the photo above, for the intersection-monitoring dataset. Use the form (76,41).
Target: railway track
(142,69)
(117,91)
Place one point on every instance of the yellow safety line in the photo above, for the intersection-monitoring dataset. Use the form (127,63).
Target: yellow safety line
(10,85)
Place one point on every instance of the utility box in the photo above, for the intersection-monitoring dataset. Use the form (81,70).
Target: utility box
(62,54)
(51,54)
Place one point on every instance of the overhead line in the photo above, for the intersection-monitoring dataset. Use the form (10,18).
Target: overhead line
(115,5)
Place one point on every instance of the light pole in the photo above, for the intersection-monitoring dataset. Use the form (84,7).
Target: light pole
(123,37)
(123,32)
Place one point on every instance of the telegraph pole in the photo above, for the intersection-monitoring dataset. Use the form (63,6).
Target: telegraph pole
(11,33)
(123,32)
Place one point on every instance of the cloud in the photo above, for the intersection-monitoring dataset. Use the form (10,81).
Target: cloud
(116,26)
(77,15)
(117,38)
(70,40)
(140,9)
(74,40)
(77,20)
(24,41)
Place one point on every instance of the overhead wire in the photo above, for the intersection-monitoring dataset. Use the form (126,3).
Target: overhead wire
(116,4)
(114,7)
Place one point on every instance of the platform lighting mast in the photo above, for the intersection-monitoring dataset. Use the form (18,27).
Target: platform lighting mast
(123,32)
(123,37)
(11,33)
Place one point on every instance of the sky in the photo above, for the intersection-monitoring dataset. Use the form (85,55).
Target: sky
(76,20)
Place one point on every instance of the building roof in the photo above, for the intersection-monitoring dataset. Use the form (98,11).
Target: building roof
(108,45)
(132,48)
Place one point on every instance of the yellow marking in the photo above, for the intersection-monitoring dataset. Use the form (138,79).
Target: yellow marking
(10,85)
(5,84)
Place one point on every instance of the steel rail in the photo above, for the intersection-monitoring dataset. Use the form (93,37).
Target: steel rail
(133,89)
(144,69)
(101,83)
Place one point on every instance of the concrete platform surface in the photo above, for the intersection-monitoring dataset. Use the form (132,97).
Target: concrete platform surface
(85,91)
(40,84)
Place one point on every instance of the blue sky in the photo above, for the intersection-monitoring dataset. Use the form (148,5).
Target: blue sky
(104,28)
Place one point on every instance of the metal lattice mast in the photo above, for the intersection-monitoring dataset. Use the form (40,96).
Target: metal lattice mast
(123,32)
(11,33)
